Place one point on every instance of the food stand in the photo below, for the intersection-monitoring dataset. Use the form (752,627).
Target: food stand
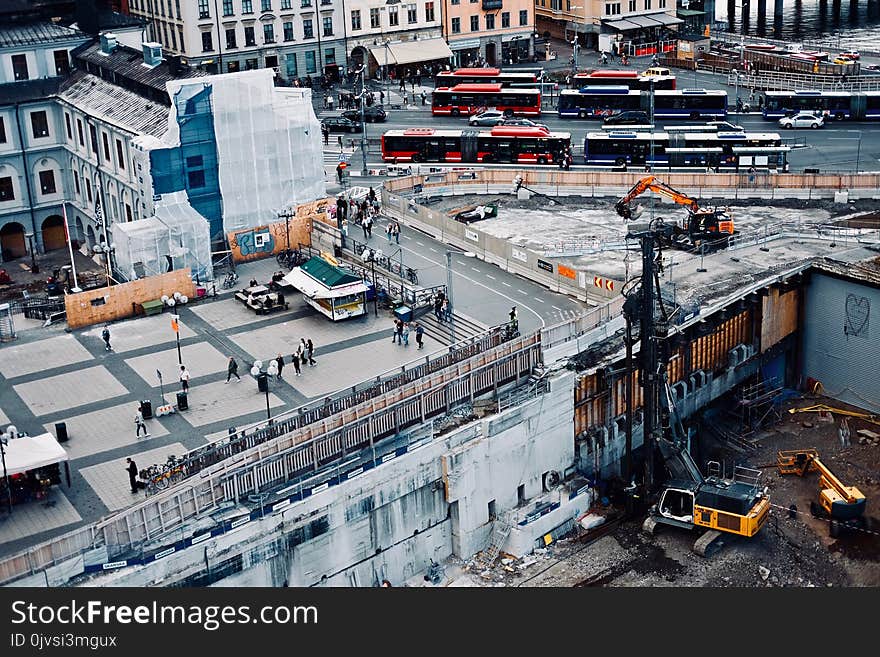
(329,289)
(33,464)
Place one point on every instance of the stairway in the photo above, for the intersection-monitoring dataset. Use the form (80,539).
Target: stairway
(465,327)
(500,532)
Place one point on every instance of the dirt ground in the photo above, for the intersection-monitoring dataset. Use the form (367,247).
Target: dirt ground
(23,278)
(787,552)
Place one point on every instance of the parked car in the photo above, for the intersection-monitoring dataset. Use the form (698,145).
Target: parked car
(487,117)
(631,117)
(525,123)
(850,54)
(372,114)
(341,124)
(725,126)
(802,120)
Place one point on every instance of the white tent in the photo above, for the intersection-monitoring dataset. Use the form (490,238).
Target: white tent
(32,452)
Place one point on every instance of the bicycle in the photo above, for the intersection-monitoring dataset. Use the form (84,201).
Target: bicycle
(289,258)
(412,276)
(230,280)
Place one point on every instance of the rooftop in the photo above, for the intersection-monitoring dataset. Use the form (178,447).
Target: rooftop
(115,104)
(29,34)
(29,90)
(331,276)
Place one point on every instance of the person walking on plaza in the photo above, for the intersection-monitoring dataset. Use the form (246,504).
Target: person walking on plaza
(184,378)
(405,334)
(444,310)
(325,131)
(389,229)
(296,364)
(364,225)
(514,318)
(396,232)
(301,350)
(424,97)
(132,470)
(339,169)
(310,350)
(397,336)
(139,421)
(438,306)
(280,361)
(105,336)
(330,102)
(419,333)
(232,369)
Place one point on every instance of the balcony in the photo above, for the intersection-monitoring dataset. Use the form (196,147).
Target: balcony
(492,4)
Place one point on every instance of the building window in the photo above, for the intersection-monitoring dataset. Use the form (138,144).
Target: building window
(203,9)
(47,182)
(306,3)
(524,17)
(195,179)
(76,183)
(612,9)
(79,131)
(647,4)
(93,137)
(173,39)
(291,65)
(308,31)
(249,38)
(505,19)
(268,33)
(233,67)
(19,67)
(429,12)
(329,56)
(247,7)
(475,23)
(490,21)
(106,143)
(88,188)
(128,216)
(288,31)
(661,4)
(40,124)
(310,62)
(356,19)
(230,39)
(120,155)
(412,15)
(455,2)
(266,5)
(207,43)
(7,192)
(228,9)
(177,3)
(285,4)
(328,26)
(251,64)
(632,5)
(456,25)
(3,129)
(66,125)
(393,18)
(62,62)
(556,5)
(374,18)
(180,35)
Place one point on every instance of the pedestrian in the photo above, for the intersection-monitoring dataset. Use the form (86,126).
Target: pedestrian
(105,336)
(301,350)
(398,331)
(445,311)
(325,102)
(419,333)
(396,232)
(280,361)
(310,349)
(326,132)
(514,318)
(405,333)
(232,369)
(296,364)
(389,228)
(184,378)
(368,220)
(424,97)
(381,97)
(371,195)
(139,422)
(330,102)
(339,169)
(132,474)
(402,84)
(363,221)
(438,306)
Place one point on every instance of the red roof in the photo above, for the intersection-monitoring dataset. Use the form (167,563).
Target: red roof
(419,131)
(488,72)
(610,73)
(483,86)
(518,131)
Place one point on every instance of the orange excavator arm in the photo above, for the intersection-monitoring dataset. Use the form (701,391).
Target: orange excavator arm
(650,183)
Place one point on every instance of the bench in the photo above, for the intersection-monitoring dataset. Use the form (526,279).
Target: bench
(152,307)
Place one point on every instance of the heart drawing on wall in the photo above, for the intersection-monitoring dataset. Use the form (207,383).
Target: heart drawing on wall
(858,311)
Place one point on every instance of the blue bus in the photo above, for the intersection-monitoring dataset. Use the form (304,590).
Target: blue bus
(599,102)
(725,150)
(837,105)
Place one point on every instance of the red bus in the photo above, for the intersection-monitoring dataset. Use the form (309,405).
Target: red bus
(507,144)
(480,75)
(630,79)
(468,99)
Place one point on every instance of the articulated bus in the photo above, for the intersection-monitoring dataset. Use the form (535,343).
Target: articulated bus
(514,144)
(838,105)
(467,99)
(484,75)
(598,102)
(725,150)
(631,79)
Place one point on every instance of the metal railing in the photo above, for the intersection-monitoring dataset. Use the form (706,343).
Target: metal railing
(783,81)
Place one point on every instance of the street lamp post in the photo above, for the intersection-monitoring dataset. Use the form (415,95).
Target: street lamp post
(372,259)
(176,328)
(449,295)
(574,54)
(3,442)
(736,82)
(858,151)
(363,121)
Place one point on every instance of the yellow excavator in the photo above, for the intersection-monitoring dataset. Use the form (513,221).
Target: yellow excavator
(705,225)
(843,505)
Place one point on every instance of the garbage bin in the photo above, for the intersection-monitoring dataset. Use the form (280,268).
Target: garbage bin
(182,404)
(146,409)
(61,431)
(262,382)
(403,313)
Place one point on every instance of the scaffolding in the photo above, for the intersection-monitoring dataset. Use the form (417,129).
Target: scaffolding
(757,405)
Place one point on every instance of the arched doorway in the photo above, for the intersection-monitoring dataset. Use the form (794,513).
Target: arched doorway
(358,56)
(80,232)
(12,242)
(90,235)
(53,233)
(490,53)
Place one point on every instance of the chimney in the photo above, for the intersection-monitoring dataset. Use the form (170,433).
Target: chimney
(152,53)
(175,66)
(108,42)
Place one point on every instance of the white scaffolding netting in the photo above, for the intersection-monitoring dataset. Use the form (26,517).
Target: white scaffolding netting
(176,237)
(268,146)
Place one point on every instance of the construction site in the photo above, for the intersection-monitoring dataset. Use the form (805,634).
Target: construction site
(711,419)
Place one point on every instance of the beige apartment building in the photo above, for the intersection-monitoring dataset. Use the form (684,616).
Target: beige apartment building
(494,32)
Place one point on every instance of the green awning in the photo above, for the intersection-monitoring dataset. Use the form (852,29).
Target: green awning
(687,13)
(329,275)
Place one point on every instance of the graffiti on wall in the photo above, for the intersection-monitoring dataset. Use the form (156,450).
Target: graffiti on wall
(263,241)
(858,312)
